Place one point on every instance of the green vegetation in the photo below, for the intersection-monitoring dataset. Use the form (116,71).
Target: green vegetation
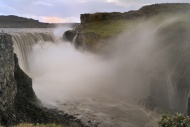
(178,120)
(38,125)
(105,28)
(97,32)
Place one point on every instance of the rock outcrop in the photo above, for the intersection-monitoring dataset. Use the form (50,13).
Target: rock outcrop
(18,102)
(8,87)
(69,35)
(75,37)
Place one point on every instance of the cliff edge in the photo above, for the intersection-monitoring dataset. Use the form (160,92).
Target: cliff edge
(145,11)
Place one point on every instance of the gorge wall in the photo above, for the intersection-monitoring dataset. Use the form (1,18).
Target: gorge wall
(8,86)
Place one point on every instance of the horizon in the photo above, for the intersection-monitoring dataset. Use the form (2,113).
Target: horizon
(62,11)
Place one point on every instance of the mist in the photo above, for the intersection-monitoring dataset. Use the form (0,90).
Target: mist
(140,67)
(59,30)
(59,72)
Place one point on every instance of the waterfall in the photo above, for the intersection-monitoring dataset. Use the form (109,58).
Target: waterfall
(23,43)
(75,39)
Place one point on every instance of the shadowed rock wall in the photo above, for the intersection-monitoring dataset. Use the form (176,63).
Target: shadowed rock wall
(8,88)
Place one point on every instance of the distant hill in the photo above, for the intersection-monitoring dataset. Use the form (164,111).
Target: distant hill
(12,21)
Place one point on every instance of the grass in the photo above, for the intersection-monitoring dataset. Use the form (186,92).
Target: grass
(100,31)
(106,28)
(177,120)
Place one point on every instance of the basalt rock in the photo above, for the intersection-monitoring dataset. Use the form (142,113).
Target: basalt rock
(77,39)
(8,87)
(69,35)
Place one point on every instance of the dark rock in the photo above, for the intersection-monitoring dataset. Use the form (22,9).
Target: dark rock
(188,106)
(8,87)
(69,35)
(74,37)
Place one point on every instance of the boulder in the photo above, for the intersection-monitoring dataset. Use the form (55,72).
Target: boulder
(69,35)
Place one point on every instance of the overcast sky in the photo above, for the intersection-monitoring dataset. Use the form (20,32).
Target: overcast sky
(70,10)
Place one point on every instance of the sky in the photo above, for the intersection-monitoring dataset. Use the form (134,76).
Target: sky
(62,11)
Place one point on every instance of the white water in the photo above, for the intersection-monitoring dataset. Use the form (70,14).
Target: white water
(23,49)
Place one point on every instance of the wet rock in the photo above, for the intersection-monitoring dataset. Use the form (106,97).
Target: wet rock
(7,82)
(69,35)
(75,37)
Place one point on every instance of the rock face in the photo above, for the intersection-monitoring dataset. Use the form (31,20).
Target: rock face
(74,37)
(8,86)
(18,102)
(69,35)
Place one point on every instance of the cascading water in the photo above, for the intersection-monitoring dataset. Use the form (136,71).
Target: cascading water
(142,70)
(23,43)
(75,39)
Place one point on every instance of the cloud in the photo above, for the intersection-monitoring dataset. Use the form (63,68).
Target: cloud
(42,3)
(139,3)
(57,19)
(82,1)
(119,2)
(6,9)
